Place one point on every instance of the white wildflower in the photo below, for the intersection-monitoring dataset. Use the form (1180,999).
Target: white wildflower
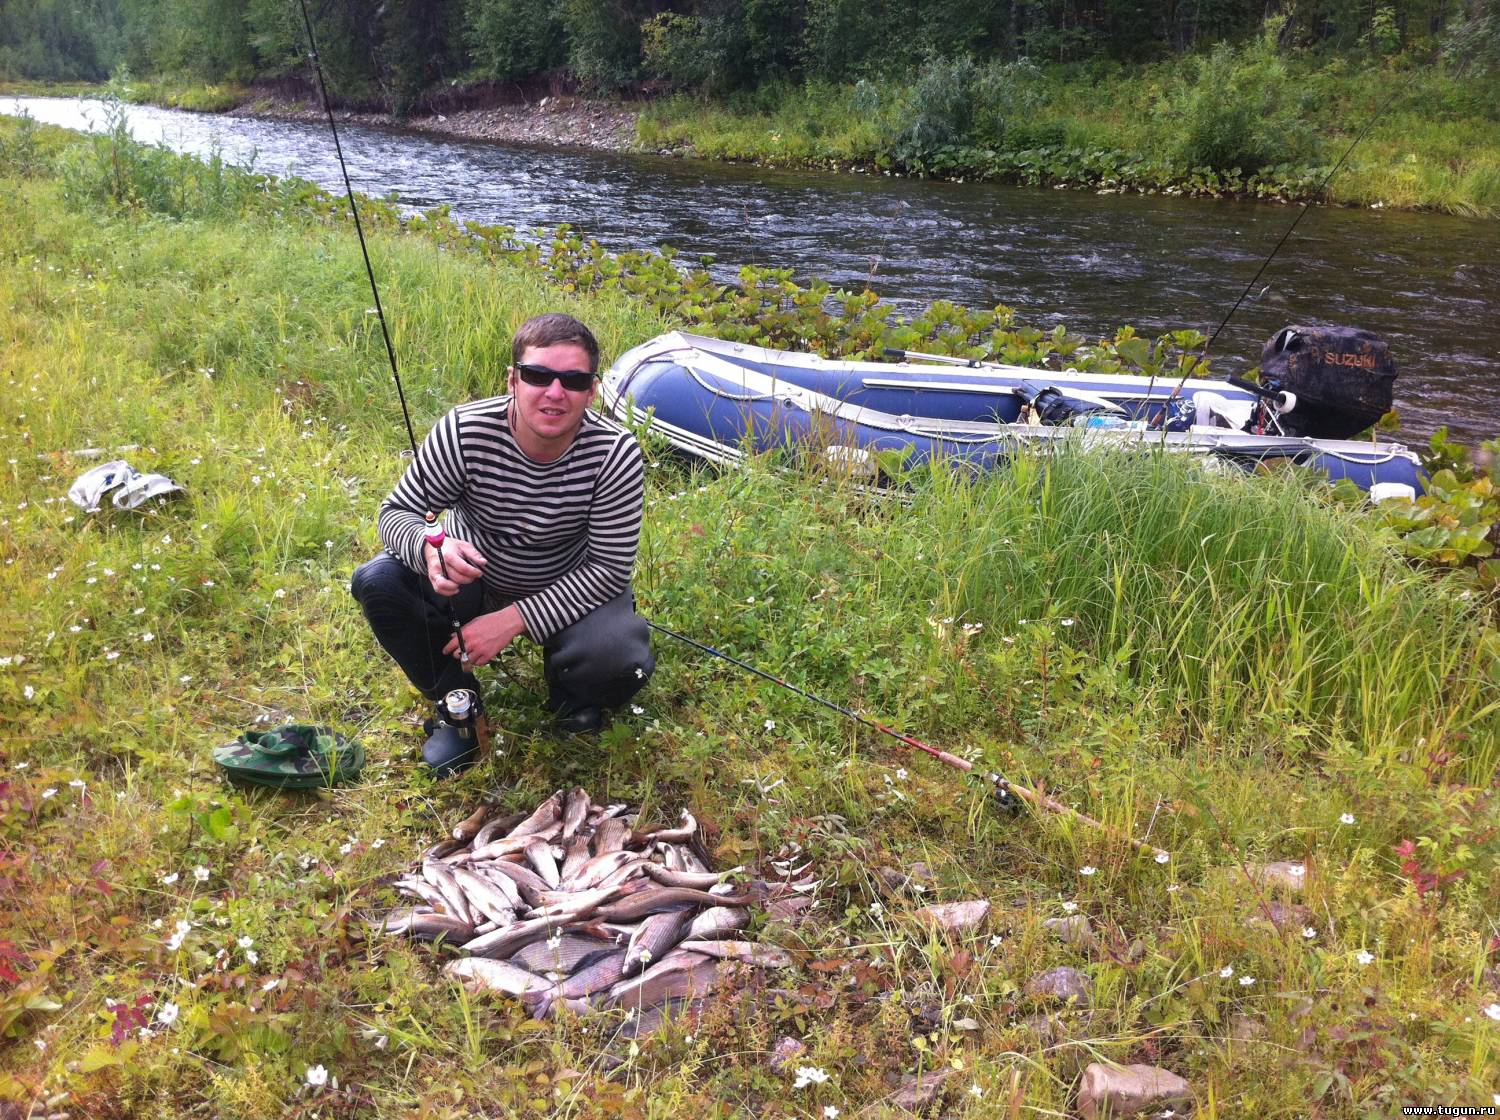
(168,880)
(900,774)
(809,1075)
(1162,857)
(201,873)
(28,692)
(148,637)
(317,1076)
(770,725)
(636,709)
(345,849)
(50,791)
(252,956)
(975,1090)
(1493,1011)
(1226,972)
(167,1015)
(1069,907)
(1365,957)
(1309,933)
(1088,869)
(1246,981)
(1347,818)
(995,941)
(831,1111)
(245,942)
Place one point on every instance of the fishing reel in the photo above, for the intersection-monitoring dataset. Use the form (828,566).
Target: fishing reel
(1000,793)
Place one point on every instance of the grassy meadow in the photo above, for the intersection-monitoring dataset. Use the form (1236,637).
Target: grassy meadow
(1238,667)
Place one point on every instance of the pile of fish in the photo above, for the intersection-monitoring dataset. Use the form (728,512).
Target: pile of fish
(571,905)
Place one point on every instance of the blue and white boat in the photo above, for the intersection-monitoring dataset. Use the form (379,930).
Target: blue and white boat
(718,401)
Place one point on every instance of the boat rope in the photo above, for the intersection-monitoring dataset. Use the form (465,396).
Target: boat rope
(435,534)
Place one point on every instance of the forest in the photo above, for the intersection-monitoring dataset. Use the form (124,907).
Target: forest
(396,53)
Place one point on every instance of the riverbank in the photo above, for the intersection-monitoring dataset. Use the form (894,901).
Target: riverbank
(1244,671)
(1246,122)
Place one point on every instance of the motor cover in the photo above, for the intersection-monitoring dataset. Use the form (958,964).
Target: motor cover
(1343,378)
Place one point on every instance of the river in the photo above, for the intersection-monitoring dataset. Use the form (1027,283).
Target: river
(1429,284)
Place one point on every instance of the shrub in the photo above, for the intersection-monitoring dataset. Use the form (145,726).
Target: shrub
(510,39)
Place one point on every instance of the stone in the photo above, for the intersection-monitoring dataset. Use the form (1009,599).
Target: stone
(956,917)
(1062,985)
(786,1051)
(1288,875)
(1074,929)
(916,1093)
(1109,1090)
(1279,916)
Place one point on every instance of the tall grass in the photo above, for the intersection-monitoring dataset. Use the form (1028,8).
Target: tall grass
(1226,662)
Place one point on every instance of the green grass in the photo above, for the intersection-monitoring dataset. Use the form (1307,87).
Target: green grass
(1109,127)
(1234,663)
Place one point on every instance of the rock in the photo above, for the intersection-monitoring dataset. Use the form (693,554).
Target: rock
(1074,929)
(1242,1028)
(917,1093)
(1286,875)
(785,1052)
(1278,916)
(956,917)
(1064,985)
(1115,1091)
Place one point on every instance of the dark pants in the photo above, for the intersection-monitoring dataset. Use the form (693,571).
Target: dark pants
(601,660)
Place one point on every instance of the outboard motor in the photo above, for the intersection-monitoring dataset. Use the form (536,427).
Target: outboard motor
(1341,377)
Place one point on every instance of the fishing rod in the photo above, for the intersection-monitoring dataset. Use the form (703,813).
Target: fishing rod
(1285,237)
(1005,791)
(435,535)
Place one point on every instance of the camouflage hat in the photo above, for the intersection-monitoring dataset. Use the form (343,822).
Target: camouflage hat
(292,756)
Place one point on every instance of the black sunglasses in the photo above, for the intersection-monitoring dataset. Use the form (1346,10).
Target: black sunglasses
(573,380)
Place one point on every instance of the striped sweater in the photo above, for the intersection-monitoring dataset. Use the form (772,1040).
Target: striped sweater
(560,537)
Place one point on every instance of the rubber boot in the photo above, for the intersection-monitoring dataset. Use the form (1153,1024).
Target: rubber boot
(456,733)
(573,718)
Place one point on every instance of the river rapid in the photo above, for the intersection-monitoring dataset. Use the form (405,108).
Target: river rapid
(1429,284)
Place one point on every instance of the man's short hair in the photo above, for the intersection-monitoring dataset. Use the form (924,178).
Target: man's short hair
(550,329)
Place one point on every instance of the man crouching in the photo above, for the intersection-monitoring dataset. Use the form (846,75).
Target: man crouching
(544,499)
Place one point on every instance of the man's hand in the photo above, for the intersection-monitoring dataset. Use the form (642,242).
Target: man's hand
(465,564)
(487,635)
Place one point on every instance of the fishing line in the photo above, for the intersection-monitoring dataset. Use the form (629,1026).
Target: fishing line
(1285,237)
(1005,791)
(435,534)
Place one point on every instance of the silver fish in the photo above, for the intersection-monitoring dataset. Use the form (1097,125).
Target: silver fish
(420,888)
(548,813)
(465,829)
(539,855)
(653,938)
(500,882)
(500,944)
(528,882)
(598,975)
(495,849)
(575,855)
(481,974)
(717,922)
(496,827)
(664,898)
(440,875)
(575,810)
(697,880)
(570,952)
(678,975)
(610,836)
(679,834)
(487,899)
(596,869)
(762,956)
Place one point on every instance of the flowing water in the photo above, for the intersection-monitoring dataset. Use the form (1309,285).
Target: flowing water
(1429,284)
